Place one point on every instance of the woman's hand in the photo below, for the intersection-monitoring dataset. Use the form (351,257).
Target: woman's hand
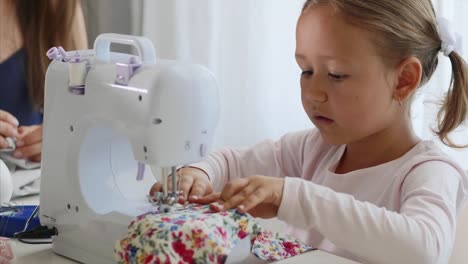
(29,143)
(259,196)
(194,183)
(8,128)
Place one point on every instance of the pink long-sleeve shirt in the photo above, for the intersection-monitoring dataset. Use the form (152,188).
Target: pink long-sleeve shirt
(403,211)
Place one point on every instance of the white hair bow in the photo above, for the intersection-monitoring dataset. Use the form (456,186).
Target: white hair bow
(451,40)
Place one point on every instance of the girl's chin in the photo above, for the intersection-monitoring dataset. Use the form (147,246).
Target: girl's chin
(332,139)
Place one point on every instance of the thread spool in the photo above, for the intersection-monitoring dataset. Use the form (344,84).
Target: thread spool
(77,69)
(76,73)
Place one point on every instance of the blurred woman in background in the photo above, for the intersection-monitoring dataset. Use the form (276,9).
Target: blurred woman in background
(27,30)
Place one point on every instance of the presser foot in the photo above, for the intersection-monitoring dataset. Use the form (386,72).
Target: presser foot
(166,204)
(164,208)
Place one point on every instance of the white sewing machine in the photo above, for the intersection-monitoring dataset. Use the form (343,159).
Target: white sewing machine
(108,118)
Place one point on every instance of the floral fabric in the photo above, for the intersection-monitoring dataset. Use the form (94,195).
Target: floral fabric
(273,246)
(198,235)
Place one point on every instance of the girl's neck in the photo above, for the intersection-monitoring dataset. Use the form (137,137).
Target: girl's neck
(377,149)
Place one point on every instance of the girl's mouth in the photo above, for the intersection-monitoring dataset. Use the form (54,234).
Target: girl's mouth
(321,120)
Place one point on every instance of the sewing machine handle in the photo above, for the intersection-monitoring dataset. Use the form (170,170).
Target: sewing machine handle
(143,46)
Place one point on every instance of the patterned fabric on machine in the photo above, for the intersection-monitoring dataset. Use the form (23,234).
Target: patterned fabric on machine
(199,235)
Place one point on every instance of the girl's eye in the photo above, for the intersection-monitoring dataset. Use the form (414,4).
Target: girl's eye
(306,73)
(337,77)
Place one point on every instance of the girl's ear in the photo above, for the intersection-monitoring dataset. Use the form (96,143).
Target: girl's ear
(409,78)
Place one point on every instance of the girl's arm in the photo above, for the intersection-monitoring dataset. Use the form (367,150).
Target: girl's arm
(281,158)
(422,232)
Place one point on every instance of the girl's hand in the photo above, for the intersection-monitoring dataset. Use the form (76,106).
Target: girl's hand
(8,128)
(194,183)
(260,196)
(29,143)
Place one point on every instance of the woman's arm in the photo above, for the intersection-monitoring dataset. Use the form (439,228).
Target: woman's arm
(78,31)
(77,38)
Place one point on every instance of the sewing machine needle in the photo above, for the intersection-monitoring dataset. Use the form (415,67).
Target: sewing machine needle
(174,183)
(165,175)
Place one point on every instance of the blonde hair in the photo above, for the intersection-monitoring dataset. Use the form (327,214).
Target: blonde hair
(406,28)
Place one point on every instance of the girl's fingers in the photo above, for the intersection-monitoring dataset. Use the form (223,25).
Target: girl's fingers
(255,198)
(239,198)
(157,187)
(199,189)
(263,210)
(191,183)
(210,198)
(232,188)
(185,184)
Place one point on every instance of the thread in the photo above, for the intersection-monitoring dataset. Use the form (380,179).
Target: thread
(76,73)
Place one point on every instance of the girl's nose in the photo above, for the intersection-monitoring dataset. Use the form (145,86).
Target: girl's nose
(313,92)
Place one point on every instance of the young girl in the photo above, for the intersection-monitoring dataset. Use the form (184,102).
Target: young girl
(362,185)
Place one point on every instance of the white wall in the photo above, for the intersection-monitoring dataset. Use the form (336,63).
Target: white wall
(112,16)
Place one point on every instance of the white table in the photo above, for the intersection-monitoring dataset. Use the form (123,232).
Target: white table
(43,254)
(38,254)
